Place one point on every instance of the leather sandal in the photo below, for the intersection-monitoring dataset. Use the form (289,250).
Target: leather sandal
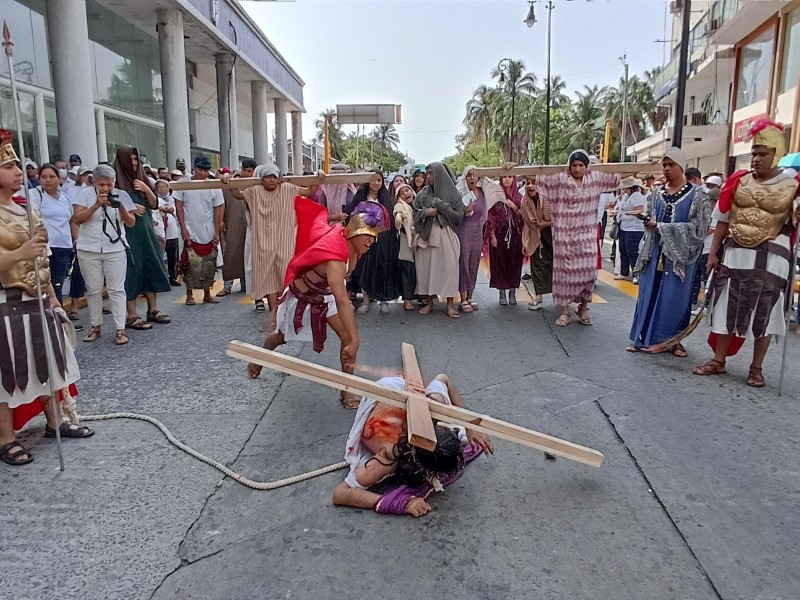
(563,320)
(93,334)
(755,377)
(156,316)
(10,456)
(712,367)
(121,338)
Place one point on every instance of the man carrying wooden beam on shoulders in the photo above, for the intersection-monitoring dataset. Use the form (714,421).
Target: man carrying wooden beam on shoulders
(315,294)
(378,447)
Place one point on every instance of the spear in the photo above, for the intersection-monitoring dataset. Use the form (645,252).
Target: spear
(9,49)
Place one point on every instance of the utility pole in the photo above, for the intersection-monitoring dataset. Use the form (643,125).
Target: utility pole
(547,116)
(683,61)
(624,126)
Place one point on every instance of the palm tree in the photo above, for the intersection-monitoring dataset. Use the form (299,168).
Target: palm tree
(480,113)
(582,130)
(515,84)
(386,137)
(335,133)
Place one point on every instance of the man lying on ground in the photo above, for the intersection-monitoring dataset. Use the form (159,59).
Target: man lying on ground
(378,448)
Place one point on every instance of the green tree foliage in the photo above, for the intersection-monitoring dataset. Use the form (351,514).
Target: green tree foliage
(477,154)
(337,136)
(577,122)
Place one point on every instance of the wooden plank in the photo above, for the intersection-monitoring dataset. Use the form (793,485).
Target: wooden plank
(418,416)
(621,168)
(246,182)
(452,414)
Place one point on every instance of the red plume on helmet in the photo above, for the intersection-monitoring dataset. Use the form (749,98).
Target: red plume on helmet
(763,124)
(5,137)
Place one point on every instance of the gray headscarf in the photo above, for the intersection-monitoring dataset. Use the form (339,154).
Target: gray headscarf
(443,196)
(677,156)
(266,170)
(579,154)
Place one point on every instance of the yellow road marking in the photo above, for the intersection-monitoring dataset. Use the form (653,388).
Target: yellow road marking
(626,287)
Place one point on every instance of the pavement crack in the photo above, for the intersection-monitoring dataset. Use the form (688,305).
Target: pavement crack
(184,562)
(657,498)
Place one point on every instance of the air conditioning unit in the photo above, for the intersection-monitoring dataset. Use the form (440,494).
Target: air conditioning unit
(695,119)
(675,6)
(713,25)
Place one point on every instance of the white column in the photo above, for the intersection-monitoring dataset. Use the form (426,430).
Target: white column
(68,35)
(297,143)
(234,164)
(281,141)
(41,129)
(100,125)
(258,90)
(173,84)
(224,63)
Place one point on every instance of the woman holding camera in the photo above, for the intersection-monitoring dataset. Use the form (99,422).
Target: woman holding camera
(102,213)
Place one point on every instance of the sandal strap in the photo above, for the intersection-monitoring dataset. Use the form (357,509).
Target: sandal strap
(5,449)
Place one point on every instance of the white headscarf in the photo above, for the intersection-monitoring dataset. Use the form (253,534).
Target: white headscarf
(266,170)
(677,156)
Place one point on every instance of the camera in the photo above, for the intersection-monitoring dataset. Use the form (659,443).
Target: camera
(113,201)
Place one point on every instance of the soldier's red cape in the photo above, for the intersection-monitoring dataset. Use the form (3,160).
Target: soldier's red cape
(316,241)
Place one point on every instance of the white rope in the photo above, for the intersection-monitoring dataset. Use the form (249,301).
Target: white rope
(256,485)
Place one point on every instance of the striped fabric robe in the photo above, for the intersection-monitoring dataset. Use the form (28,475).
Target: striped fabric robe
(574,210)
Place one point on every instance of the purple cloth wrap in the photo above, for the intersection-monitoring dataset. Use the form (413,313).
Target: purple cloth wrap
(394,502)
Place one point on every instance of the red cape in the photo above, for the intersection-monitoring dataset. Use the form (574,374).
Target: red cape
(316,241)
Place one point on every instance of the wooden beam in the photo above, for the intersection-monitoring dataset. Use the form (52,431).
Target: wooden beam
(242,183)
(451,414)
(418,416)
(630,168)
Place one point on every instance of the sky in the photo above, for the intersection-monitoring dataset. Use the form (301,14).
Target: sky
(430,55)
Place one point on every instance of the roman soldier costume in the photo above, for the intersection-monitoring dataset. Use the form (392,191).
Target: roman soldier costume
(750,293)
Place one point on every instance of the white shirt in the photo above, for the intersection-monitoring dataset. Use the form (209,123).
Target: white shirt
(74,190)
(91,237)
(173,230)
(709,238)
(56,212)
(630,202)
(198,211)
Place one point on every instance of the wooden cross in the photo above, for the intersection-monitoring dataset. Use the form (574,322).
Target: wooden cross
(418,416)
(358,178)
(400,398)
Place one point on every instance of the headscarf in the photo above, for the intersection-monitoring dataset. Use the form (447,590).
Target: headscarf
(677,156)
(125,171)
(414,176)
(492,191)
(579,154)
(266,170)
(442,195)
(512,193)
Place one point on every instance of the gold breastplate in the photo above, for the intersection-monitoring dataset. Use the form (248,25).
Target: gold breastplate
(14,233)
(760,211)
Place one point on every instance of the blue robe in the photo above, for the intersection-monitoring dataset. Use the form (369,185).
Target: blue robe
(664,306)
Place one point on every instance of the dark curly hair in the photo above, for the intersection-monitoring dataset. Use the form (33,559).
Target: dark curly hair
(416,466)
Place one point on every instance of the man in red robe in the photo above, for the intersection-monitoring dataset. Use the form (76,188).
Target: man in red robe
(316,295)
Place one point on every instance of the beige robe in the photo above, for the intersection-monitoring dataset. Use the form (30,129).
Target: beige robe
(274,229)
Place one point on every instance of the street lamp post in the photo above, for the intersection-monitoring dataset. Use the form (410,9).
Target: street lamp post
(502,66)
(680,93)
(530,21)
(623,132)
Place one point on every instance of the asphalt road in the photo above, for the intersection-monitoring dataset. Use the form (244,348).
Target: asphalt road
(697,498)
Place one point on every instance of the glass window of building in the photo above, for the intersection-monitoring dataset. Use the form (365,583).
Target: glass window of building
(26,22)
(148,140)
(755,68)
(791,52)
(125,64)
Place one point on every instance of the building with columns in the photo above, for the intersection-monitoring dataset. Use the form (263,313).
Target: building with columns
(175,78)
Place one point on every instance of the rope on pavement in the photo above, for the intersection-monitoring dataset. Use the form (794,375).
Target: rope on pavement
(256,485)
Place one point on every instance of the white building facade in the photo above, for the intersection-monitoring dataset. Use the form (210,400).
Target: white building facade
(744,64)
(157,74)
